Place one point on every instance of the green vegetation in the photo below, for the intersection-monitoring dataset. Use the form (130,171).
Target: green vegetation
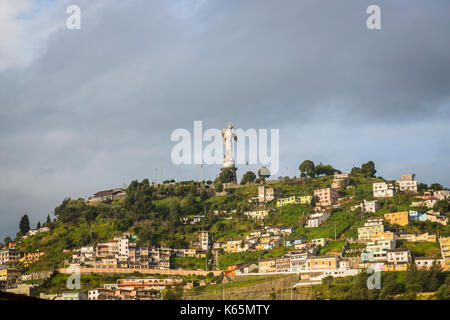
(154,214)
(421,249)
(188,263)
(241,282)
(394,285)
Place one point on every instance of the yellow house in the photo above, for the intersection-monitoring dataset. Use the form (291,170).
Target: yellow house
(31,257)
(377,236)
(290,200)
(322,263)
(445,251)
(305,199)
(285,201)
(396,267)
(262,241)
(267,265)
(9,274)
(401,218)
(231,246)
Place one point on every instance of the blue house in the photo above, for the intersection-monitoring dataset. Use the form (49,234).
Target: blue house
(295,241)
(417,216)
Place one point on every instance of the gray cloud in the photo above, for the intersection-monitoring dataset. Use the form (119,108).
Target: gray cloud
(96,108)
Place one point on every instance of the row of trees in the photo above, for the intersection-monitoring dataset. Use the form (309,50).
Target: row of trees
(309,169)
(24,224)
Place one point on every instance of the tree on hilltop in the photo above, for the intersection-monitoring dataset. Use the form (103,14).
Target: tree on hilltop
(249,176)
(307,169)
(24,224)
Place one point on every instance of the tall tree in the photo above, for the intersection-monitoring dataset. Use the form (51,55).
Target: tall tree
(90,214)
(249,176)
(307,169)
(436,186)
(368,169)
(24,224)
(38,226)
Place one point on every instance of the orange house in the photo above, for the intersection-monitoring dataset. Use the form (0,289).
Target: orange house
(401,218)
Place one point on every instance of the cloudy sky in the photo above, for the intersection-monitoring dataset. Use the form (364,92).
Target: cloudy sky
(91,109)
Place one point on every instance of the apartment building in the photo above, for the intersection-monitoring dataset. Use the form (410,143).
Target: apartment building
(319,242)
(148,283)
(204,239)
(267,265)
(327,196)
(102,294)
(316,219)
(415,215)
(9,256)
(407,183)
(159,257)
(74,295)
(424,237)
(107,249)
(31,257)
(111,194)
(436,217)
(295,241)
(376,251)
(83,254)
(407,186)
(383,190)
(268,242)
(370,206)
(283,263)
(8,274)
(387,235)
(286,201)
(298,260)
(259,213)
(341,180)
(265,194)
(293,199)
(442,194)
(233,246)
(287,230)
(304,199)
(444,243)
(427,262)
(364,233)
(400,218)
(33,232)
(321,263)
(398,256)
(189,253)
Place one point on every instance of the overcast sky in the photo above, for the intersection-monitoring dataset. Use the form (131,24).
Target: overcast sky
(92,109)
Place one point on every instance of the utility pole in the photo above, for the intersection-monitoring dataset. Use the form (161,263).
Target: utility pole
(335,232)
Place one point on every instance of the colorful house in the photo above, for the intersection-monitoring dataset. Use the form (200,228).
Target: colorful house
(295,241)
(400,218)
